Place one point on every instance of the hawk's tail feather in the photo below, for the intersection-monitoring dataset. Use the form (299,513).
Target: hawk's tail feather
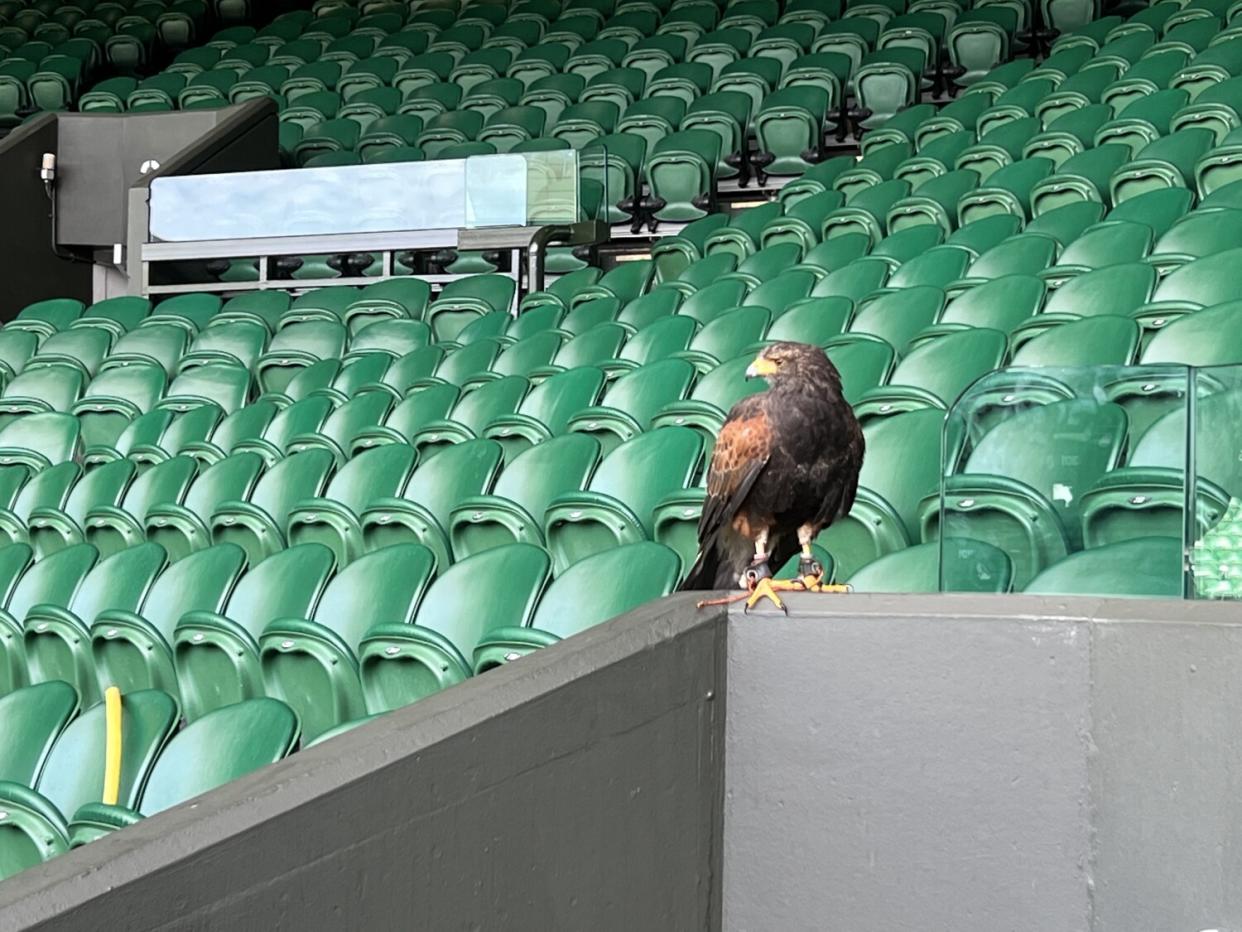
(702,575)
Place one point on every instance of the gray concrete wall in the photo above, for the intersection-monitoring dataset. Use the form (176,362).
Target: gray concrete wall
(984,764)
(577,790)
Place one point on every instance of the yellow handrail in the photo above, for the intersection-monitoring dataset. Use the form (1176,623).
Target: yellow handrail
(112,746)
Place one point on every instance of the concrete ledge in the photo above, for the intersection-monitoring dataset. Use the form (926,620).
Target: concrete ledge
(577,789)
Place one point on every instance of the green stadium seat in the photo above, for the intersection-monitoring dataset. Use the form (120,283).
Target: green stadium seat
(1011,491)
(401,663)
(111,528)
(866,212)
(978,41)
(200,757)
(34,717)
(1168,162)
(617,506)
(876,166)
(463,300)
(790,126)
(545,412)
(421,513)
(935,373)
(56,638)
(312,663)
(743,235)
(964,566)
(44,318)
(46,489)
(725,337)
(897,316)
(998,146)
(257,524)
(1002,304)
(576,600)
(1024,254)
(1110,571)
(937,201)
(182,528)
(1106,244)
(133,649)
(38,811)
(681,172)
(116,315)
(216,655)
(1106,340)
(114,398)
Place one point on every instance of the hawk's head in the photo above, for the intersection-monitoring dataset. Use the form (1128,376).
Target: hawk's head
(794,364)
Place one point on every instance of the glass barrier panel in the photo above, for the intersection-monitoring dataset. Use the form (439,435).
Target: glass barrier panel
(1216,544)
(491,190)
(1067,481)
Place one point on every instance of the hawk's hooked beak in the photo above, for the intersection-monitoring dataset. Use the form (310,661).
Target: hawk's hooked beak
(760,368)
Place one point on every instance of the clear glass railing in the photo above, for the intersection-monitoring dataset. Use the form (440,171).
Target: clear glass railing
(528,189)
(1216,447)
(1073,481)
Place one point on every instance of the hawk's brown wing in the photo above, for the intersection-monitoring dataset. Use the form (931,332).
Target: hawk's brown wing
(742,452)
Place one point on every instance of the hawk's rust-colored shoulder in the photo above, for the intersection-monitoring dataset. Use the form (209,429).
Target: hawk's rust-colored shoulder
(744,442)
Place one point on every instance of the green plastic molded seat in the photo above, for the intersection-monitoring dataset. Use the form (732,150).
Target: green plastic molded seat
(312,662)
(899,129)
(1197,284)
(257,524)
(57,637)
(1198,234)
(790,125)
(1143,121)
(1003,304)
(33,718)
(1168,162)
(338,431)
(1024,254)
(301,417)
(1107,340)
(38,811)
(1213,65)
(1007,190)
(633,574)
(1108,570)
(132,649)
(936,372)
(1000,143)
(202,756)
(617,506)
(333,519)
(225,385)
(1216,108)
(295,347)
(879,164)
(116,315)
(470,414)
(401,663)
(1147,78)
(854,280)
(937,158)
(937,202)
(513,510)
(48,488)
(190,312)
(182,528)
(979,40)
(545,412)
(1109,243)
(1113,290)
(901,467)
(54,528)
(1067,222)
(111,528)
(1011,490)
(743,234)
(867,212)
(83,349)
(1069,134)
(886,82)
(965,566)
(896,316)
(681,171)
(216,654)
(50,387)
(1148,496)
(421,513)
(395,298)
(465,299)
(37,441)
(814,180)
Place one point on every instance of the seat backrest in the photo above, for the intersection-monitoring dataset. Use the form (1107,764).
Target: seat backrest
(52,435)
(1056,448)
(903,459)
(294,478)
(219,747)
(644,391)
(382,587)
(122,581)
(478,407)
(74,775)
(30,721)
(243,424)
(103,485)
(542,472)
(460,470)
(647,467)
(200,581)
(301,417)
(553,402)
(162,484)
(376,473)
(287,584)
(54,580)
(15,560)
(46,489)
(498,587)
(366,409)
(605,585)
(1216,444)
(727,384)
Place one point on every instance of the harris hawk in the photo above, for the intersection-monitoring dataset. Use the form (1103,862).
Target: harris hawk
(784,468)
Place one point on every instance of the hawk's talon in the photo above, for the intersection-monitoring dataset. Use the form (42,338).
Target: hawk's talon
(766,589)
